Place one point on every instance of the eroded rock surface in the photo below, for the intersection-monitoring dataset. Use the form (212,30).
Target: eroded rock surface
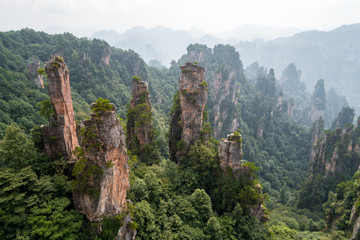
(193,96)
(140,133)
(60,137)
(103,193)
(230,152)
(125,231)
(187,118)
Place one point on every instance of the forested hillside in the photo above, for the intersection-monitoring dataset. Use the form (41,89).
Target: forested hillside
(193,199)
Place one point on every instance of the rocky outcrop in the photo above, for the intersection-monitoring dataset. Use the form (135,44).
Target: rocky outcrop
(105,56)
(140,131)
(230,152)
(60,137)
(224,84)
(259,209)
(102,173)
(292,86)
(33,66)
(316,133)
(230,155)
(318,102)
(175,128)
(139,125)
(337,153)
(345,117)
(125,231)
(188,111)
(197,52)
(193,96)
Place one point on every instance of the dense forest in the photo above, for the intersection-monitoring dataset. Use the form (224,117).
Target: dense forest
(281,170)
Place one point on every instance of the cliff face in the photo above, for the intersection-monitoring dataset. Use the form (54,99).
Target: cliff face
(35,77)
(103,180)
(193,96)
(60,136)
(230,152)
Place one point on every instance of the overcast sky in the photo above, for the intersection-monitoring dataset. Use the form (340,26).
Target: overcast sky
(210,16)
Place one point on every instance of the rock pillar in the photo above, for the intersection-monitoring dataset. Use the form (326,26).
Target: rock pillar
(60,137)
(102,173)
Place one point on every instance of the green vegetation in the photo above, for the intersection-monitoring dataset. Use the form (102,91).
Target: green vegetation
(46,109)
(196,200)
(86,174)
(344,164)
(137,79)
(35,195)
(102,105)
(139,125)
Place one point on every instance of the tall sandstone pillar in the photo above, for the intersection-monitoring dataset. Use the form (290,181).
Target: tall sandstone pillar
(60,137)
(193,97)
(139,131)
(103,182)
(192,100)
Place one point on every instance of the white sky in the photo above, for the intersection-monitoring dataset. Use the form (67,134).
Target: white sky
(208,15)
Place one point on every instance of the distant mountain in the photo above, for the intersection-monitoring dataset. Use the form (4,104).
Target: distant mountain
(250,32)
(333,56)
(160,43)
(111,36)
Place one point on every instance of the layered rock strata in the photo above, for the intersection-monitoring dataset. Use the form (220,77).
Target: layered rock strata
(103,193)
(60,137)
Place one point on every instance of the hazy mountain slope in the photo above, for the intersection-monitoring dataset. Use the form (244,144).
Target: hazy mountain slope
(333,56)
